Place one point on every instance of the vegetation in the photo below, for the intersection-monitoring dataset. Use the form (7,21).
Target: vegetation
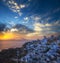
(46,50)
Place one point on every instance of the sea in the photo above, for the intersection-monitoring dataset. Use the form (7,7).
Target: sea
(6,44)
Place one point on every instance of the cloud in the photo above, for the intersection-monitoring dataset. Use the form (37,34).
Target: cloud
(2,27)
(57,23)
(40,18)
(21,29)
(50,15)
(37,27)
(11,23)
(26,18)
(22,6)
(33,34)
(29,0)
(16,17)
(36,17)
(56,10)
(14,30)
(42,26)
(14,6)
(47,28)
(40,23)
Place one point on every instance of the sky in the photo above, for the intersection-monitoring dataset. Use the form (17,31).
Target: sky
(30,17)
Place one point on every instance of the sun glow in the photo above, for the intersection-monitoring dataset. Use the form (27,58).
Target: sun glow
(12,36)
(7,36)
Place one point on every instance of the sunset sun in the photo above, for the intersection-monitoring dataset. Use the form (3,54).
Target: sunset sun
(7,36)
